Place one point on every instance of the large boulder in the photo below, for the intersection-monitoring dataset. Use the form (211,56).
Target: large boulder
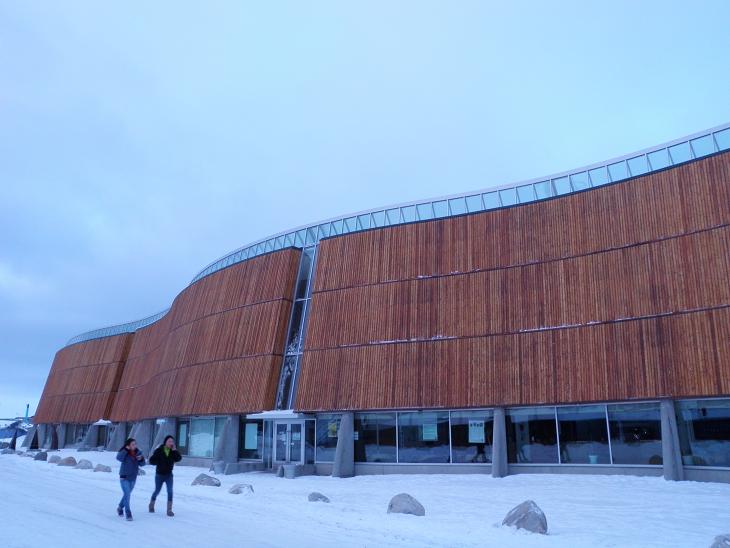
(84,464)
(314,496)
(721,541)
(241,488)
(54,459)
(404,503)
(205,479)
(527,516)
(41,455)
(67,461)
(102,468)
(7,452)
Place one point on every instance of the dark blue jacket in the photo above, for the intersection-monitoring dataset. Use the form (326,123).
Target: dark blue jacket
(130,466)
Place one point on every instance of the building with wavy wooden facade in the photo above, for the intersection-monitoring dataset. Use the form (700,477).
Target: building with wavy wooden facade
(574,323)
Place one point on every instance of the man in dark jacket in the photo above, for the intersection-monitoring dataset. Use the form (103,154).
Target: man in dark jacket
(131,459)
(164,457)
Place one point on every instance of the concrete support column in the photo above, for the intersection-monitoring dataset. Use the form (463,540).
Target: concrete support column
(42,434)
(671,453)
(344,463)
(117,437)
(167,428)
(91,438)
(61,435)
(142,431)
(499,445)
(225,452)
(29,437)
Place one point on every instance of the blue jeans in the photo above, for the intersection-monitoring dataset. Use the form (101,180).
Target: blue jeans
(127,486)
(159,480)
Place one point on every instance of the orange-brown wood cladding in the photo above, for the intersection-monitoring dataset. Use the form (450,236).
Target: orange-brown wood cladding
(620,292)
(83,381)
(219,348)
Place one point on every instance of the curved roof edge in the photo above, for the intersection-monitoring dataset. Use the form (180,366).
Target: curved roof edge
(679,151)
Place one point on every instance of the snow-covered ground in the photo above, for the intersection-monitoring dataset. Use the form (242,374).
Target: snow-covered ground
(42,503)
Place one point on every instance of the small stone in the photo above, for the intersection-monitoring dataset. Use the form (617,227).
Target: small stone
(67,461)
(54,459)
(314,496)
(241,488)
(721,541)
(28,454)
(41,456)
(102,468)
(404,503)
(84,465)
(527,516)
(205,479)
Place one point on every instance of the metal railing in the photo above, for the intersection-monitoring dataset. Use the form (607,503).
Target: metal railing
(663,156)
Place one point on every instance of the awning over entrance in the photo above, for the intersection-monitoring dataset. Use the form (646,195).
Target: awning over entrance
(283,414)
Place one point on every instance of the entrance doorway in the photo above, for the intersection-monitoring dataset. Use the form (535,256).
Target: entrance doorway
(289,442)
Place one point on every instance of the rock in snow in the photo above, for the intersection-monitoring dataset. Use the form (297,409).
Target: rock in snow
(317,497)
(102,468)
(7,452)
(527,516)
(404,503)
(54,459)
(205,479)
(84,465)
(245,488)
(721,541)
(67,461)
(41,456)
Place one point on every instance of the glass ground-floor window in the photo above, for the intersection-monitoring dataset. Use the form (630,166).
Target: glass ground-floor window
(471,436)
(583,435)
(375,437)
(327,428)
(202,435)
(183,436)
(252,439)
(636,433)
(704,432)
(423,436)
(531,435)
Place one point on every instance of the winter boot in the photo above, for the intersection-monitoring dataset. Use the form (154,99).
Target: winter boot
(169,508)
(151,507)
(129,516)
(120,512)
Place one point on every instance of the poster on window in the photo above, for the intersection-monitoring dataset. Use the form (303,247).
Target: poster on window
(476,432)
(251,436)
(430,432)
(183,441)
(332,429)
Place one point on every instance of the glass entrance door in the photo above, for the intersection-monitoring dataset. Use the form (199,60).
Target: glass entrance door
(289,442)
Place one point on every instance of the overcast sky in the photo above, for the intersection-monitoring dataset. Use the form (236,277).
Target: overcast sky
(141,140)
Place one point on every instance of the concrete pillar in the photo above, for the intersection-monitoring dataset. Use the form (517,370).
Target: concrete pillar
(167,428)
(29,436)
(499,445)
(41,433)
(117,437)
(344,463)
(91,438)
(142,432)
(61,435)
(226,448)
(671,453)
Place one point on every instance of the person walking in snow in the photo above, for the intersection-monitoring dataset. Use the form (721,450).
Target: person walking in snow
(131,458)
(164,457)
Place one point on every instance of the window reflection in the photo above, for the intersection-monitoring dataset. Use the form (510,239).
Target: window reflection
(531,435)
(423,437)
(375,437)
(704,432)
(471,436)
(636,433)
(583,435)
(327,428)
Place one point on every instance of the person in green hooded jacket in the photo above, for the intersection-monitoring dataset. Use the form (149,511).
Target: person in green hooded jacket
(164,458)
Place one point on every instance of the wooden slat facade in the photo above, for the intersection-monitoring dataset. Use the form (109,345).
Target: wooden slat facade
(616,293)
(218,350)
(83,381)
